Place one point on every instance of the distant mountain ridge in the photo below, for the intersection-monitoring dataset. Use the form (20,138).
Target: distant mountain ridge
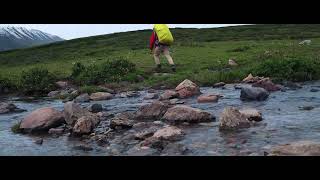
(20,37)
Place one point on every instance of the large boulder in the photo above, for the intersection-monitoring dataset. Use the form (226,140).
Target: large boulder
(253,94)
(73,112)
(208,98)
(169,94)
(82,98)
(153,111)
(187,89)
(42,120)
(100,96)
(8,108)
(181,113)
(300,148)
(85,124)
(231,119)
(251,114)
(267,84)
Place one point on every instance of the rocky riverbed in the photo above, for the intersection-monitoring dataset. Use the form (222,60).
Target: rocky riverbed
(187,126)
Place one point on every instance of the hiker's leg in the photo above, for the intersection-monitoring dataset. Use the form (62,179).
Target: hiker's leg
(166,53)
(156,55)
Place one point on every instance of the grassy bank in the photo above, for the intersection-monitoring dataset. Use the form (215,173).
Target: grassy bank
(201,55)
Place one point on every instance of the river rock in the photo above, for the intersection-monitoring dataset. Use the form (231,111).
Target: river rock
(231,119)
(292,85)
(267,84)
(208,98)
(169,94)
(170,133)
(253,94)
(82,98)
(129,94)
(53,94)
(219,84)
(39,141)
(146,133)
(85,125)
(314,90)
(73,112)
(251,79)
(142,151)
(121,122)
(151,96)
(8,108)
(95,108)
(162,137)
(108,90)
(187,89)
(232,62)
(56,131)
(152,111)
(181,113)
(175,101)
(100,96)
(42,120)
(62,84)
(300,148)
(306,108)
(305,42)
(251,114)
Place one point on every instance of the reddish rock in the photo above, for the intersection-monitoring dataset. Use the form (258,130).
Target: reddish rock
(208,98)
(100,96)
(267,84)
(187,89)
(42,120)
(181,113)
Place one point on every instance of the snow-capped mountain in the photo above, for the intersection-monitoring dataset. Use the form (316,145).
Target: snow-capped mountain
(20,37)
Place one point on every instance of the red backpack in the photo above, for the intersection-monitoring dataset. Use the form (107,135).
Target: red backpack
(152,40)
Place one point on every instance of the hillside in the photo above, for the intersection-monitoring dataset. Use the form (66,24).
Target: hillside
(18,37)
(200,54)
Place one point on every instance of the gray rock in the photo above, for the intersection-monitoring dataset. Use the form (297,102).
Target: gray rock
(39,141)
(253,94)
(95,108)
(151,96)
(73,112)
(314,90)
(53,94)
(9,108)
(82,98)
(142,151)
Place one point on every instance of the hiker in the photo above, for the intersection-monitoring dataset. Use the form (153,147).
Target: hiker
(160,41)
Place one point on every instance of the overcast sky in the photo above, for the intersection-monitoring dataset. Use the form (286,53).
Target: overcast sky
(72,31)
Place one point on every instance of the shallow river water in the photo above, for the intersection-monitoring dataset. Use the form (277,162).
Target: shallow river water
(283,123)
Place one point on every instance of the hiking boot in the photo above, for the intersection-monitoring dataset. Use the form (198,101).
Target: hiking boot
(173,67)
